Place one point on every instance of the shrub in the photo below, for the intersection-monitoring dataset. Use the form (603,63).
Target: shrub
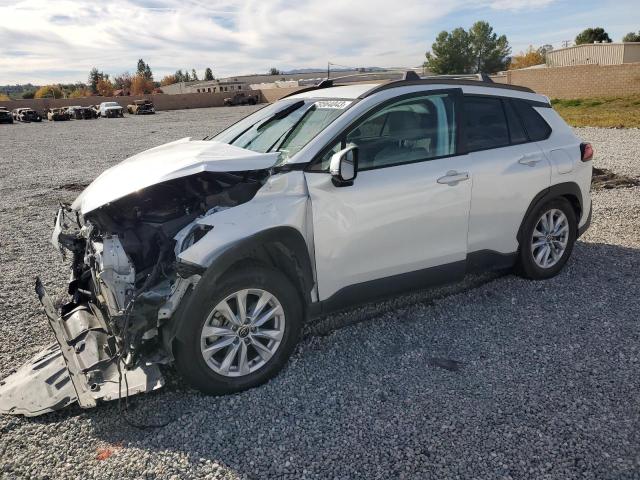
(104,88)
(141,85)
(49,91)
(79,93)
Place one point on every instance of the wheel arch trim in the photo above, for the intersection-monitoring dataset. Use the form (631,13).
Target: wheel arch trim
(569,190)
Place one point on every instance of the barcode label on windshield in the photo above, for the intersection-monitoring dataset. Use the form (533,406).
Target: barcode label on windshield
(338,104)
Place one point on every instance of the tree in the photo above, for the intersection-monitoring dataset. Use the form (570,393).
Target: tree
(28,95)
(94,77)
(591,35)
(104,87)
(168,80)
(450,53)
(527,59)
(4,97)
(49,91)
(544,49)
(141,85)
(122,81)
(194,75)
(144,69)
(632,37)
(274,71)
(490,51)
(479,50)
(208,74)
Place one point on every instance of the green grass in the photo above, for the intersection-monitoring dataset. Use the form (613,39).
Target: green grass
(616,112)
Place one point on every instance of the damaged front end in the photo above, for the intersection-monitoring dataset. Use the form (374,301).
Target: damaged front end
(126,284)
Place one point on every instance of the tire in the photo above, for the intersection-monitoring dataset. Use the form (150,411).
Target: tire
(189,344)
(533,260)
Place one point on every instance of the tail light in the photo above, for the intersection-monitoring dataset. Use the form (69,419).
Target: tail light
(586,152)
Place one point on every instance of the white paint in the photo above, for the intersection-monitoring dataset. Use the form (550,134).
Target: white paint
(173,160)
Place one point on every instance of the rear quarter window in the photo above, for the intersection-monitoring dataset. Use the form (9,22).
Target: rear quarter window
(536,127)
(485,124)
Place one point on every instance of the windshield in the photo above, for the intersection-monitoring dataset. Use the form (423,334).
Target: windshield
(285,127)
(111,104)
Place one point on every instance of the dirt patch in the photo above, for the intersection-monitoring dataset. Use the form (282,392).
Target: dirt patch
(606,179)
(73,187)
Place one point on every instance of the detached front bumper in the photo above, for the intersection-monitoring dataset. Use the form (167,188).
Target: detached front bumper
(82,367)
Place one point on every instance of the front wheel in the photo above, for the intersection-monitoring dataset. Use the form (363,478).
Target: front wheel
(238,332)
(548,236)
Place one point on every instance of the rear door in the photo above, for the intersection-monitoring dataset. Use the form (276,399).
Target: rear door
(405,217)
(509,170)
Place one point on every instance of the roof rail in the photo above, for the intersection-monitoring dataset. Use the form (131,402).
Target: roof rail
(480,77)
(410,77)
(476,79)
(331,82)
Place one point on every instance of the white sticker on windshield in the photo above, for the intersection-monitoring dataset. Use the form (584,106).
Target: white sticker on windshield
(338,104)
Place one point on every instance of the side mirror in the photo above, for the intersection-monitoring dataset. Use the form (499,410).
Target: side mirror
(344,166)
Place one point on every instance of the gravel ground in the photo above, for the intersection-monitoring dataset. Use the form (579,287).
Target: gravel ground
(496,377)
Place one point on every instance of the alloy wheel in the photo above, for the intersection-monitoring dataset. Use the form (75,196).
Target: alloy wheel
(242,332)
(550,237)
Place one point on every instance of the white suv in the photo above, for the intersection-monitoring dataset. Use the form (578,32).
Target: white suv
(212,253)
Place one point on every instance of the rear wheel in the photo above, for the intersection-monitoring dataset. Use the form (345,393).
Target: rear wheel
(241,334)
(547,240)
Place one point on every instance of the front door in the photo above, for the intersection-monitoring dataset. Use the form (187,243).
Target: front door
(406,214)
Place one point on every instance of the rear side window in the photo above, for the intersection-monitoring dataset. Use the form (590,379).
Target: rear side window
(485,123)
(517,133)
(537,129)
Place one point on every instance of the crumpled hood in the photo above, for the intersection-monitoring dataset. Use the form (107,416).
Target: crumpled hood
(172,160)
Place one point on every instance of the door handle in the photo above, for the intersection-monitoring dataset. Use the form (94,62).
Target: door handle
(453,178)
(529,160)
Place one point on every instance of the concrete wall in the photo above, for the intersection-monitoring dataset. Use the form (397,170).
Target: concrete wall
(161,101)
(578,81)
(272,94)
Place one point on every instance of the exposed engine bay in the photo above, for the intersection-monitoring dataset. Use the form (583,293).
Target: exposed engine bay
(125,285)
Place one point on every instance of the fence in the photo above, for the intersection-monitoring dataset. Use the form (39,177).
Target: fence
(161,101)
(578,81)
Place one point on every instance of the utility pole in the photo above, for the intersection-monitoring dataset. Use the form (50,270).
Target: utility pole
(328,69)
(565,43)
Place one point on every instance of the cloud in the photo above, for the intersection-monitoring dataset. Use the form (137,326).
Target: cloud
(231,36)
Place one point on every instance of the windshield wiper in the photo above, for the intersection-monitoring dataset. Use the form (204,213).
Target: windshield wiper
(281,114)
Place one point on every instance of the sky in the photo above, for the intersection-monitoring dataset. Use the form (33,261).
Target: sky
(59,41)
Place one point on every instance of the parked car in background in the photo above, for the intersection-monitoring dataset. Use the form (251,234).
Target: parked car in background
(58,114)
(241,98)
(5,115)
(82,113)
(26,115)
(141,107)
(111,110)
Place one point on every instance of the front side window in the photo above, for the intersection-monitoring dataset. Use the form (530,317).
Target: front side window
(485,123)
(409,130)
